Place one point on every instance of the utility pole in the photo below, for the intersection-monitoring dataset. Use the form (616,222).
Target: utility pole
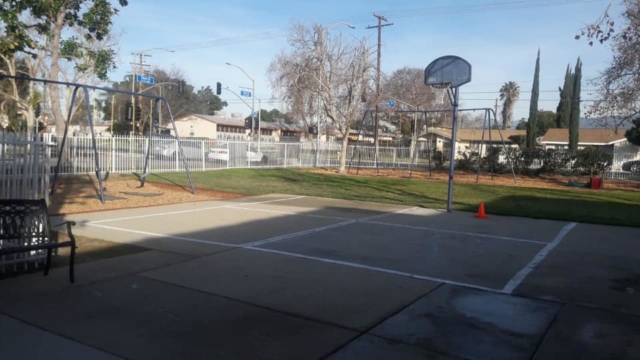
(137,68)
(495,109)
(379,27)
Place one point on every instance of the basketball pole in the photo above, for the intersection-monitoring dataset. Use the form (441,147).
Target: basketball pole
(454,134)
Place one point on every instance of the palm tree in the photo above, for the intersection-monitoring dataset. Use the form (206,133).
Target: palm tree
(509,95)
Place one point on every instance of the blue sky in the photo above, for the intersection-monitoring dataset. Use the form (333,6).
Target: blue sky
(500,44)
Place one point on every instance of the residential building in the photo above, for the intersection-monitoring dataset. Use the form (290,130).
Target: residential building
(468,140)
(601,138)
(221,127)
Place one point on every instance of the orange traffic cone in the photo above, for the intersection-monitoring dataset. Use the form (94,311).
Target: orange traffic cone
(481,214)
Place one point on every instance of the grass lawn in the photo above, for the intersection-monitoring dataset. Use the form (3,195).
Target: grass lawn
(601,207)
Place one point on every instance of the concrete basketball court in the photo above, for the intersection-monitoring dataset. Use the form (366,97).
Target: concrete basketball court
(293,277)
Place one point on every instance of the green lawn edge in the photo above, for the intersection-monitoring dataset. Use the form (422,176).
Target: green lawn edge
(606,207)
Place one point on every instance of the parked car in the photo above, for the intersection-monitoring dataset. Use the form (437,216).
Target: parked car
(168,148)
(633,166)
(221,153)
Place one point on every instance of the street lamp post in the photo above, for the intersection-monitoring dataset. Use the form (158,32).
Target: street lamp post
(321,35)
(253,102)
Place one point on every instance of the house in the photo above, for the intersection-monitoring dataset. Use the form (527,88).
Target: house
(468,140)
(221,127)
(605,139)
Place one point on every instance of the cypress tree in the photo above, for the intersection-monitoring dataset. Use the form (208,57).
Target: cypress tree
(574,119)
(533,107)
(563,112)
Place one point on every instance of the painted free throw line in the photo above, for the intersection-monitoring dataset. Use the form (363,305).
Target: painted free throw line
(522,274)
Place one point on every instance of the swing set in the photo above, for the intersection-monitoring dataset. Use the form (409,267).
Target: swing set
(85,88)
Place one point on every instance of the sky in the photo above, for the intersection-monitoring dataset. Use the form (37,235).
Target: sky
(500,38)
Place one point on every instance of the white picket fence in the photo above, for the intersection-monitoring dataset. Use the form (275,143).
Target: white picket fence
(24,167)
(126,154)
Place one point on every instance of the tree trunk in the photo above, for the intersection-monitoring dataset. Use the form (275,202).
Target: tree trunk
(54,71)
(343,152)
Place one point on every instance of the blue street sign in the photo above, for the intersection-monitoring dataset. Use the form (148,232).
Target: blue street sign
(245,93)
(254,114)
(388,103)
(145,79)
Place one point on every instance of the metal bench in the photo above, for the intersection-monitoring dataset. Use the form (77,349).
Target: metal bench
(25,228)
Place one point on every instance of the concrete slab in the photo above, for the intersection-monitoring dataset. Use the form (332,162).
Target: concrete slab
(350,297)
(225,226)
(316,206)
(594,265)
(140,318)
(454,257)
(472,323)
(21,341)
(376,348)
(506,226)
(25,286)
(584,333)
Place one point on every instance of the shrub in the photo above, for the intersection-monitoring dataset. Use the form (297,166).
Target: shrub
(468,162)
(593,160)
(553,160)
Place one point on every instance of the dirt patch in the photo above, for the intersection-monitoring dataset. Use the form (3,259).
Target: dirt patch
(545,182)
(77,194)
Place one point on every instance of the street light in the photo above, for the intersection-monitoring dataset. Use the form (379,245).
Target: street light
(253,101)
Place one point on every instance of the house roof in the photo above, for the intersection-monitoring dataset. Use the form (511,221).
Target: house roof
(476,134)
(586,137)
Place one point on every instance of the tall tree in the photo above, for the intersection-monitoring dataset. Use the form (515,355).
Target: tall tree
(633,134)
(533,107)
(57,24)
(618,101)
(563,111)
(509,95)
(574,119)
(325,72)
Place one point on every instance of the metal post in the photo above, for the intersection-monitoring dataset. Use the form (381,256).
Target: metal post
(259,123)
(452,155)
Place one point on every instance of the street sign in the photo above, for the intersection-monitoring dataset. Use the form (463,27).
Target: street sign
(254,114)
(145,79)
(388,103)
(245,93)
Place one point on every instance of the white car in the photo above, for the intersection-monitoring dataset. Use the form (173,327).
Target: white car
(221,153)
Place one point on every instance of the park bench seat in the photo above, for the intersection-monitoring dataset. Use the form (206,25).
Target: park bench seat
(25,227)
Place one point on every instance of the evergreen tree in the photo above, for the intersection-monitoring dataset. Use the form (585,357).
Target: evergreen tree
(533,107)
(563,112)
(574,119)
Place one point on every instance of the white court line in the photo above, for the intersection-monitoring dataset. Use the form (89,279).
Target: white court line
(522,274)
(182,238)
(188,211)
(373,268)
(458,232)
(287,213)
(322,228)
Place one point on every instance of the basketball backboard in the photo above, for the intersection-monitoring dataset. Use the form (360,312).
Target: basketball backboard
(450,71)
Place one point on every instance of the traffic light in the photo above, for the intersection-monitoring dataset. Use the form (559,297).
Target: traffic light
(256,124)
(413,126)
(37,110)
(181,87)
(138,113)
(247,123)
(128,111)
(218,88)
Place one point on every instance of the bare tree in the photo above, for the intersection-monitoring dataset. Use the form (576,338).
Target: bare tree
(323,75)
(618,85)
